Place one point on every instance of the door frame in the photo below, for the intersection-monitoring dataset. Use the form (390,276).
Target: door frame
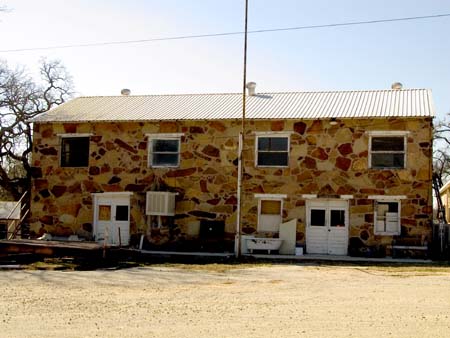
(327,205)
(114,198)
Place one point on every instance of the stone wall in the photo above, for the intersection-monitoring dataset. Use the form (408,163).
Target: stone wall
(333,160)
(325,160)
(205,180)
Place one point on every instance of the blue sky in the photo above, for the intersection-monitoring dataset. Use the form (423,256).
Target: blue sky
(415,53)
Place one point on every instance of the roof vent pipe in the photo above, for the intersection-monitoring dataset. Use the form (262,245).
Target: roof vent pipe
(251,86)
(397,86)
(125,92)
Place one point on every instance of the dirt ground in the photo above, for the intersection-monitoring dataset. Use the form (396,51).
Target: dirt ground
(227,301)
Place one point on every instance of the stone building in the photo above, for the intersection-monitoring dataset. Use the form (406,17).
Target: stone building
(352,168)
(445,197)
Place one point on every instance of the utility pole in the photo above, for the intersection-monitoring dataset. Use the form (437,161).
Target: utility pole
(241,168)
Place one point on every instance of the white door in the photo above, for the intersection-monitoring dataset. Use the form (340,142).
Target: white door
(327,227)
(112,218)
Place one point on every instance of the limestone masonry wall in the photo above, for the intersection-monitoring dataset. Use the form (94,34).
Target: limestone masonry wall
(325,160)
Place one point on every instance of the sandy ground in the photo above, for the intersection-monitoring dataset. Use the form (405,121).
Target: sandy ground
(252,301)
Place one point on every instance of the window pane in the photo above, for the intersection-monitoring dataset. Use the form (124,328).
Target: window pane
(273,143)
(384,207)
(165,159)
(122,213)
(270,207)
(165,145)
(278,143)
(317,217)
(75,152)
(381,160)
(387,217)
(104,212)
(388,143)
(337,218)
(272,159)
(263,143)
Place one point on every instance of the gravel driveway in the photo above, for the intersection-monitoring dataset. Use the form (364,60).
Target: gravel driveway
(227,301)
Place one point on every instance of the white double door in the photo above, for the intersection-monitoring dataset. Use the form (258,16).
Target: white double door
(112,218)
(327,227)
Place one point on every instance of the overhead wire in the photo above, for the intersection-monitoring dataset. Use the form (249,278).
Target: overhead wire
(200,36)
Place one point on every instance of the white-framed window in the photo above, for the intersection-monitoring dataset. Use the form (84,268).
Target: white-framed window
(387,215)
(74,150)
(270,212)
(164,150)
(272,149)
(387,149)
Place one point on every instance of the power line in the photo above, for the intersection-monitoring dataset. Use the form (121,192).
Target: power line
(199,36)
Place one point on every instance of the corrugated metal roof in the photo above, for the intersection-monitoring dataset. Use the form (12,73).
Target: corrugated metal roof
(293,105)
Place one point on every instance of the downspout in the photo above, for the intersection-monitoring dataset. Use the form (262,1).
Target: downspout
(237,241)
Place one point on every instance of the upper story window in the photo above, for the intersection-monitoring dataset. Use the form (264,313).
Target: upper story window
(75,150)
(387,150)
(272,150)
(164,150)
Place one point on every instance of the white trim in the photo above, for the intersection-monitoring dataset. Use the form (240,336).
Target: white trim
(108,228)
(388,132)
(164,135)
(387,197)
(325,239)
(276,133)
(116,193)
(273,134)
(314,196)
(75,135)
(308,196)
(270,196)
(399,214)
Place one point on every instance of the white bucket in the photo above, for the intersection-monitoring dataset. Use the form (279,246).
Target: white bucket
(299,251)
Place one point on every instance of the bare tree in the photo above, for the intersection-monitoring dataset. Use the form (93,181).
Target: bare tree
(441,154)
(21,99)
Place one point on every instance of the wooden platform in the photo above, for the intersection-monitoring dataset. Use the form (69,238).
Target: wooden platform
(49,248)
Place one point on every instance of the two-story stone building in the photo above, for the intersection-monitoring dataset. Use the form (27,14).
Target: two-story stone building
(353,168)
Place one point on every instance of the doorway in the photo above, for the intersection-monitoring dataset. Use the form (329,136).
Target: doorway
(112,218)
(327,227)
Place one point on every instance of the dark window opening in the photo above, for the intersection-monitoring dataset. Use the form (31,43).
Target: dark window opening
(122,213)
(75,152)
(273,151)
(388,161)
(337,218)
(388,152)
(388,144)
(165,152)
(318,217)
